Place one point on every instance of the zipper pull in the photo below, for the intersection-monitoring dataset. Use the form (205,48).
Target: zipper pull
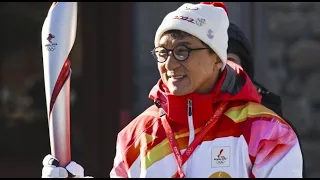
(189,107)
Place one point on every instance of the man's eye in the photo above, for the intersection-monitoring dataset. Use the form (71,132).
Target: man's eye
(161,53)
(181,50)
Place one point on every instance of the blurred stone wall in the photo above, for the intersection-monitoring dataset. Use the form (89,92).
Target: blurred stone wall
(292,56)
(294,59)
(286,42)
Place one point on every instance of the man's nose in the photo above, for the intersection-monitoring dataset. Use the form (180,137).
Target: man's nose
(171,62)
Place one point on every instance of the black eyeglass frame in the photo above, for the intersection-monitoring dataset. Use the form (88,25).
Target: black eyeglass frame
(153,52)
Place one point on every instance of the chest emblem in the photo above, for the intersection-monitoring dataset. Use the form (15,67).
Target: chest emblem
(220,156)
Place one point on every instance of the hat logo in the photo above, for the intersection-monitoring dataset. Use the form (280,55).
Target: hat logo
(200,21)
(209,34)
(188,19)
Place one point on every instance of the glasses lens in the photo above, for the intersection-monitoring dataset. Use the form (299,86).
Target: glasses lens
(181,53)
(161,54)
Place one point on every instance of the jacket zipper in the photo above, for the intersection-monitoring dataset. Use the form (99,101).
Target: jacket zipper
(190,122)
(191,135)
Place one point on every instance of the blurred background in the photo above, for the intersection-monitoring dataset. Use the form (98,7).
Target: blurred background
(113,72)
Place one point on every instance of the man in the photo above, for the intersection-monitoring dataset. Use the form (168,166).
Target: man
(207,120)
(239,51)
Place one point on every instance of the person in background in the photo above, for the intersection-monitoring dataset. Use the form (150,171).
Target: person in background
(240,52)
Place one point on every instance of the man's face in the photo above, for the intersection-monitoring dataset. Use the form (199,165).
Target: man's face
(198,73)
(234,57)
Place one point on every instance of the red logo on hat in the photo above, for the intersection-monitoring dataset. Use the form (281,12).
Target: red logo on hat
(184,18)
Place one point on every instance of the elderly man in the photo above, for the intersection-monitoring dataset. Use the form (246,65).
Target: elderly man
(207,119)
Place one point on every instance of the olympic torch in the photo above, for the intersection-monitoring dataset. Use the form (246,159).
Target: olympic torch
(58,36)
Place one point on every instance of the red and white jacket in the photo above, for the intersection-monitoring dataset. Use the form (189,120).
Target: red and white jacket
(248,140)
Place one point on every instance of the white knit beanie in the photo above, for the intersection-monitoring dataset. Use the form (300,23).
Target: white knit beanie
(208,22)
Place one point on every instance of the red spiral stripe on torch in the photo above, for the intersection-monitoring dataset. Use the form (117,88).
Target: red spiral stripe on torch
(62,78)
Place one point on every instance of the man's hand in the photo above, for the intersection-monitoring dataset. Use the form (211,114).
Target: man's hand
(50,169)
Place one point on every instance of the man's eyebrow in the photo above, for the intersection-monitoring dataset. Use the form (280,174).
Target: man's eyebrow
(183,43)
(179,43)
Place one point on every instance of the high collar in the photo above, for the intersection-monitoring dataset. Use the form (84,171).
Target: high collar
(232,85)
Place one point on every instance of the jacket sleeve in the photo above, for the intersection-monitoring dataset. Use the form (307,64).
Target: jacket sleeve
(119,169)
(275,150)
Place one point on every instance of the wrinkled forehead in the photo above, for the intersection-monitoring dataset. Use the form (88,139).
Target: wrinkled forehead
(176,37)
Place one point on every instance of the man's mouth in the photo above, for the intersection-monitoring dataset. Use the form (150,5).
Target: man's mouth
(177,77)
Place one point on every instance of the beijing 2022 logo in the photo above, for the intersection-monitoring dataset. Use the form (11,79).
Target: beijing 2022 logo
(51,45)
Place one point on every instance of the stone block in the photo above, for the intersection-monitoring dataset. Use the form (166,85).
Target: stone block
(314,25)
(276,51)
(294,86)
(281,6)
(304,55)
(304,6)
(312,87)
(287,26)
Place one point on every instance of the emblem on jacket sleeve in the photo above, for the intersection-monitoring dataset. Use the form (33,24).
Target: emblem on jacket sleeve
(220,156)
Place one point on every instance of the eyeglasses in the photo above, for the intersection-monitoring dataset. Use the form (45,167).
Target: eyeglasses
(180,53)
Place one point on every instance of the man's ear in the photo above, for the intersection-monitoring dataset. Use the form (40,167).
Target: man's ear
(218,60)
(218,63)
